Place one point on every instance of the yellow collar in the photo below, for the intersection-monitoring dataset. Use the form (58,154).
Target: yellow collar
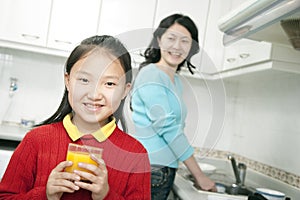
(100,135)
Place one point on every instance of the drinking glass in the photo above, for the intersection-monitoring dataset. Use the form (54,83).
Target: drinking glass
(82,153)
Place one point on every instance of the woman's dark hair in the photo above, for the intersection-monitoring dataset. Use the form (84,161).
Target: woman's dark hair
(116,48)
(152,53)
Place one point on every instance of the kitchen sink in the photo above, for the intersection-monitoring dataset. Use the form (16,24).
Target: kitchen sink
(234,189)
(224,185)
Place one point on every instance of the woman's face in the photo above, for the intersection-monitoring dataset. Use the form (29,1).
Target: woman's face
(175,45)
(96,86)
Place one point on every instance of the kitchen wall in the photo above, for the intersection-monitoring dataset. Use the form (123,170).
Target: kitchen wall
(265,125)
(39,85)
(261,121)
(254,115)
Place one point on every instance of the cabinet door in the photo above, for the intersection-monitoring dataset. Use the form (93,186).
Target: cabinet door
(120,16)
(246,52)
(213,48)
(123,19)
(71,22)
(25,21)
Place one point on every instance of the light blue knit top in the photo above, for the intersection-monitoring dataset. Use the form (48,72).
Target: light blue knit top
(159,115)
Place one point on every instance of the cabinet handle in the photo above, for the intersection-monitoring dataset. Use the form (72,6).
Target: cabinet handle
(231,60)
(61,41)
(30,37)
(244,55)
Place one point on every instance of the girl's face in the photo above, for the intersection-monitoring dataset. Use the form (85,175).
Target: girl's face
(175,45)
(96,86)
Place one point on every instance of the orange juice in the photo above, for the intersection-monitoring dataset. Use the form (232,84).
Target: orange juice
(81,153)
(77,157)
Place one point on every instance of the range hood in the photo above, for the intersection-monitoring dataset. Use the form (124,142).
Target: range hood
(260,20)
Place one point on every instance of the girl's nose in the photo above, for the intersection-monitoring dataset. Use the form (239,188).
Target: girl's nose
(95,93)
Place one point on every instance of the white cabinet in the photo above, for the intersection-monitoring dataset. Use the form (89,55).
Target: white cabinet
(248,52)
(121,16)
(245,53)
(129,20)
(25,21)
(213,48)
(71,22)
(5,156)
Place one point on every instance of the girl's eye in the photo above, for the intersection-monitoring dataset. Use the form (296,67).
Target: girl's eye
(110,84)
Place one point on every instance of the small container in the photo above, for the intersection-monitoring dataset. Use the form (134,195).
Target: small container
(27,123)
(270,194)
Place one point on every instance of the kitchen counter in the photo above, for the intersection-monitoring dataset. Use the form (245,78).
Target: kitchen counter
(12,132)
(184,189)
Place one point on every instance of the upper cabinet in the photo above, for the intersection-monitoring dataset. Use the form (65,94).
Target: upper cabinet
(72,21)
(123,19)
(25,21)
(244,56)
(213,48)
(57,26)
(248,52)
(120,17)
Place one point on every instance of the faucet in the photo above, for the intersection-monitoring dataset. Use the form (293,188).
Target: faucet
(239,171)
(13,86)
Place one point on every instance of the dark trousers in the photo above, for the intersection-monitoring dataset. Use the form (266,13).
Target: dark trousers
(162,179)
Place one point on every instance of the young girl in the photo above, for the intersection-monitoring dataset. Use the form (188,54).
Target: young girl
(158,109)
(97,79)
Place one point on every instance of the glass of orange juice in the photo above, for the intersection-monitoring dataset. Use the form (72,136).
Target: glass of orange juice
(82,153)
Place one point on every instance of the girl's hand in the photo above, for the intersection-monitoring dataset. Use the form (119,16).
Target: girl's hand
(60,181)
(98,179)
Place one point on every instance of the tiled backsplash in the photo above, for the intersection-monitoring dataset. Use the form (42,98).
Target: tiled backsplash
(281,175)
(39,82)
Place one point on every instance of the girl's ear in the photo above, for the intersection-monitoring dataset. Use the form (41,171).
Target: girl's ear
(127,89)
(67,80)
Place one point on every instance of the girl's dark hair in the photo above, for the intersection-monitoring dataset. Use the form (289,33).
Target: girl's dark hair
(152,53)
(116,48)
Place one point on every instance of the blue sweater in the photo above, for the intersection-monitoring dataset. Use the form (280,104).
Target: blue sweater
(159,117)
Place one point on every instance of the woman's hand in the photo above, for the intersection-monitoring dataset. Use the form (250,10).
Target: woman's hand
(60,181)
(202,181)
(205,183)
(98,184)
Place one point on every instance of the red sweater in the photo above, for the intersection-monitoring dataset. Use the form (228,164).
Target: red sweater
(44,147)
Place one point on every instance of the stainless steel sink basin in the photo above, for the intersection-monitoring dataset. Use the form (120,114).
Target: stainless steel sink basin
(238,190)
(225,185)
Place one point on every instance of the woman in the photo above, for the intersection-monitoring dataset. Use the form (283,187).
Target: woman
(97,80)
(158,109)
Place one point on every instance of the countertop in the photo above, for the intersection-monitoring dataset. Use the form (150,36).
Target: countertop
(184,189)
(12,132)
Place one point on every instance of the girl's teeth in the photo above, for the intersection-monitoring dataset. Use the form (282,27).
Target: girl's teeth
(92,106)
